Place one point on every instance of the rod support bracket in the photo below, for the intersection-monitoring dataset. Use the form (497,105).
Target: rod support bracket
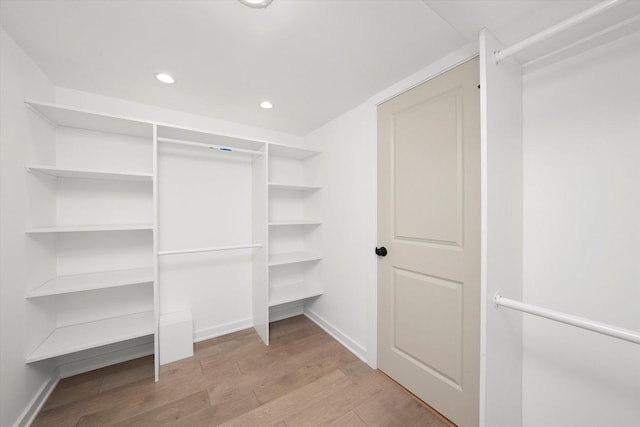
(496,300)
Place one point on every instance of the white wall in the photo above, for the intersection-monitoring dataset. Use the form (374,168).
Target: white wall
(582,237)
(348,170)
(20,384)
(348,165)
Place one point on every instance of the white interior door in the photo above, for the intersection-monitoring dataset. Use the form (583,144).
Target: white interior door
(429,222)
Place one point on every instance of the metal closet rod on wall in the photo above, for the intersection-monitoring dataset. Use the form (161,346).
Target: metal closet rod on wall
(558,28)
(580,322)
(212,249)
(210,146)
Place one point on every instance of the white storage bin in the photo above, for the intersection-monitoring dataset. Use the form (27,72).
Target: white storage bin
(176,336)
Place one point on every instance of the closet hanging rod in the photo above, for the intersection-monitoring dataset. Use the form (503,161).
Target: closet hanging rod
(558,28)
(213,249)
(580,322)
(584,40)
(210,146)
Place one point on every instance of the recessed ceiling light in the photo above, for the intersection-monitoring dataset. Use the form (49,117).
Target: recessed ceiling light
(266,105)
(256,3)
(165,78)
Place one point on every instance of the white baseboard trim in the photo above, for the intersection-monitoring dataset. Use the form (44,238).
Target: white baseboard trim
(100,361)
(226,328)
(281,312)
(79,366)
(33,408)
(338,335)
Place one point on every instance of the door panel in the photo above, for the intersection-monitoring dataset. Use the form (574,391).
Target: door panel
(439,352)
(428,200)
(429,220)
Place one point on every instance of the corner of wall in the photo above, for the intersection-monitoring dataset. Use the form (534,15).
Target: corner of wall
(337,334)
(37,402)
(24,387)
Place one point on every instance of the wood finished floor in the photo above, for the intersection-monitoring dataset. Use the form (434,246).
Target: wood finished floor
(304,378)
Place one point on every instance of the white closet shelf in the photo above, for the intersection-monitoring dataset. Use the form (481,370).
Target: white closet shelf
(222,148)
(83,336)
(279,186)
(292,152)
(295,292)
(83,119)
(60,172)
(83,228)
(204,138)
(295,222)
(293,257)
(92,281)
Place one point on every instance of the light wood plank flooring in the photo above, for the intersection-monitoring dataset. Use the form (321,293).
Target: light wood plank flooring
(304,378)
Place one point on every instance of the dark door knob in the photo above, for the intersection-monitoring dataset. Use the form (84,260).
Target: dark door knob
(381,251)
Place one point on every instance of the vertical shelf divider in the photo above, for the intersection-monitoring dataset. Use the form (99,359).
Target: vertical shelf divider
(156,278)
(260,234)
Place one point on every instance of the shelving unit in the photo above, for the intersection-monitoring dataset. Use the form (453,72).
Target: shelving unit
(89,183)
(95,194)
(294,225)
